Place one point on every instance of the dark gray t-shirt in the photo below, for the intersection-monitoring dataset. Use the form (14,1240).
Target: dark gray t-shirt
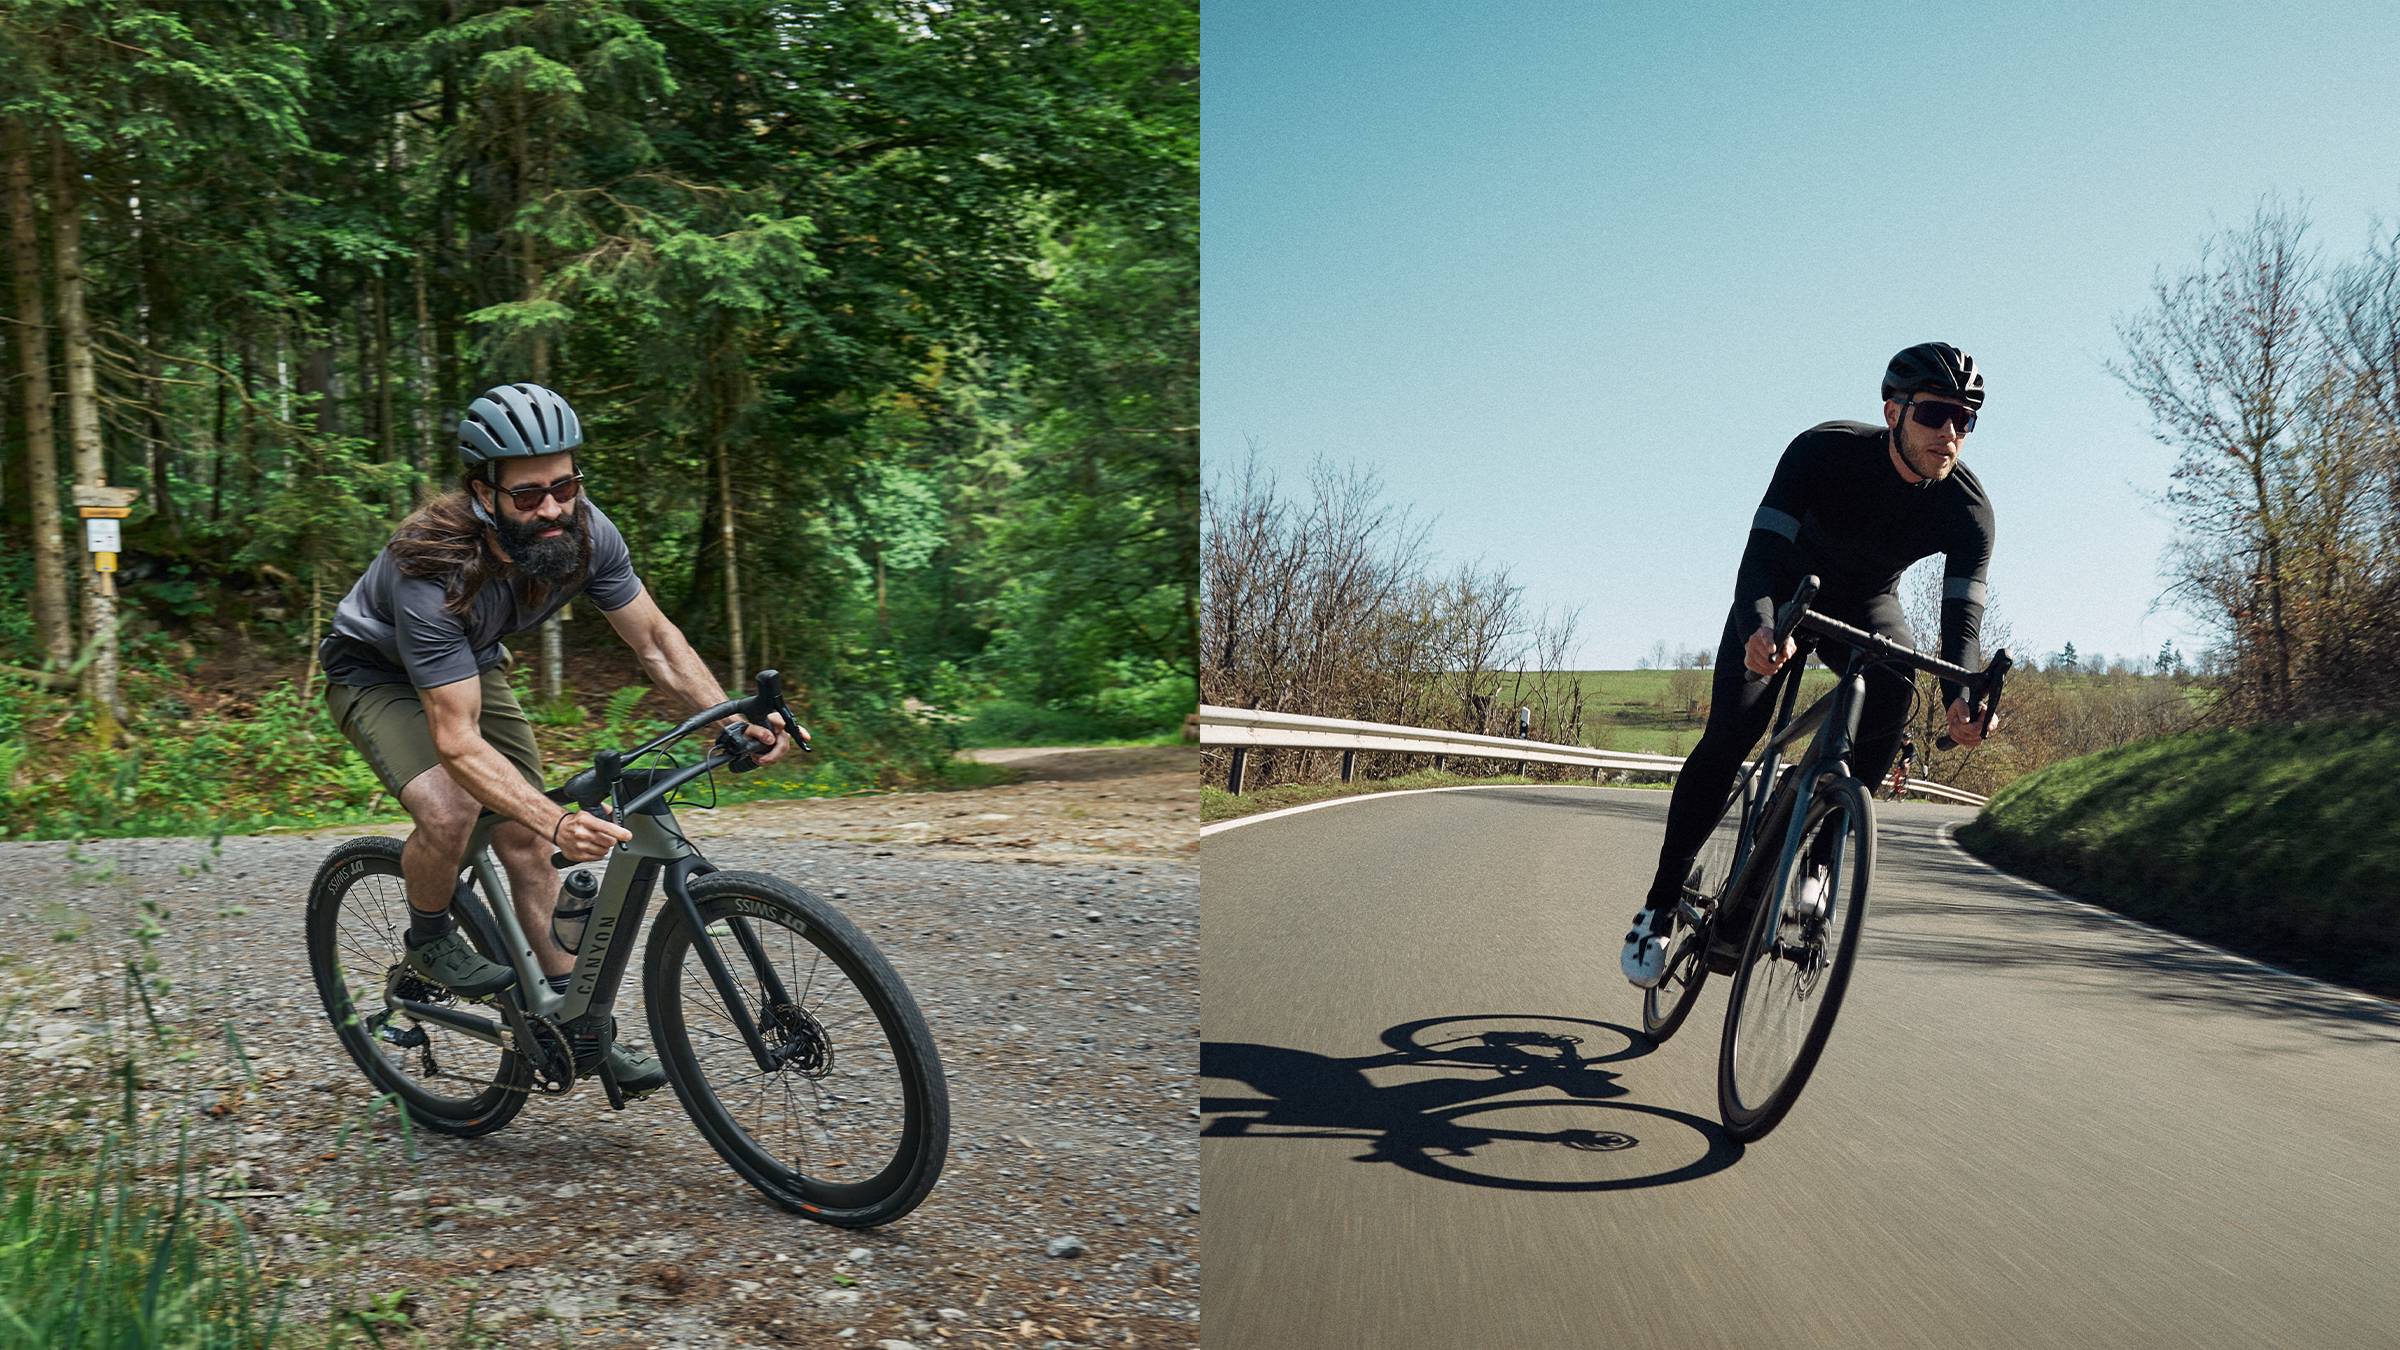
(399,633)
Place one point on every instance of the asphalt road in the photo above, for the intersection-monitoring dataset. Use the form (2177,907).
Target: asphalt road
(1429,1118)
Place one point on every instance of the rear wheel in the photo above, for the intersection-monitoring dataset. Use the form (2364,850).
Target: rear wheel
(1796,964)
(851,1122)
(1665,1007)
(447,1081)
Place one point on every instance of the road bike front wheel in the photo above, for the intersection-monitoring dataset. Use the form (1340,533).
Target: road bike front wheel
(447,1081)
(1796,964)
(850,1121)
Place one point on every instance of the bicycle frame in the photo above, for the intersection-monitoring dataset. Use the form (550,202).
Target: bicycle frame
(1834,717)
(657,850)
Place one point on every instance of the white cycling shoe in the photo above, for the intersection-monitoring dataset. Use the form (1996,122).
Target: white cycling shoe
(1809,898)
(1645,956)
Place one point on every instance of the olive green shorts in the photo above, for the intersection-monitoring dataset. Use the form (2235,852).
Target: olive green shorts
(388,725)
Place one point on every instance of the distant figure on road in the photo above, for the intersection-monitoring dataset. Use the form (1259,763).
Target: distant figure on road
(1524,723)
(1856,504)
(1900,766)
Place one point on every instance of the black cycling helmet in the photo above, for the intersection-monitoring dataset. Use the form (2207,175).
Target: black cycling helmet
(512,421)
(1934,368)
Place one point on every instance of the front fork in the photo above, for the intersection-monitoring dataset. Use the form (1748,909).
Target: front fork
(720,972)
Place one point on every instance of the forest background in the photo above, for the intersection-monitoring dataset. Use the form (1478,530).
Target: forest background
(881,321)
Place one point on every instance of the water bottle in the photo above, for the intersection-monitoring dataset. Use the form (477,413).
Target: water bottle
(574,909)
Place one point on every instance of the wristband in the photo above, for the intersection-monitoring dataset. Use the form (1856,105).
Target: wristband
(562,819)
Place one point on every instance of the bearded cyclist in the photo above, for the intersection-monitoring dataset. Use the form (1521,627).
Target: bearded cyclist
(1855,504)
(415,679)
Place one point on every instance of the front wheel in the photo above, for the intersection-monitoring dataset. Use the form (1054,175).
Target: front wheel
(1796,965)
(849,1122)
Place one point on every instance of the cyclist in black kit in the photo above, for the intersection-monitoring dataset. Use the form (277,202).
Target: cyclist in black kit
(1856,504)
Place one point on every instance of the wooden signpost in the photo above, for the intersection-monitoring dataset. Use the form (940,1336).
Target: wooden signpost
(102,507)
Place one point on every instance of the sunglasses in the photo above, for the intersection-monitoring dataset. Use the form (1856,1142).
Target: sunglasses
(530,498)
(1936,414)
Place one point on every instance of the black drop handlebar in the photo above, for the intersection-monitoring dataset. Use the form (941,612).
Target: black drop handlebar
(1984,685)
(591,788)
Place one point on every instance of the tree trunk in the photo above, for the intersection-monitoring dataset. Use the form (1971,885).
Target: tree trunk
(54,623)
(429,453)
(720,431)
(216,438)
(733,584)
(554,641)
(387,434)
(83,430)
(883,608)
(157,451)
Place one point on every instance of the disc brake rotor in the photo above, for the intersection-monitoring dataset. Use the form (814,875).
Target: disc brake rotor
(801,1043)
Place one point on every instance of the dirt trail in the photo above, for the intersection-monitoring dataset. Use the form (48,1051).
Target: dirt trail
(1064,997)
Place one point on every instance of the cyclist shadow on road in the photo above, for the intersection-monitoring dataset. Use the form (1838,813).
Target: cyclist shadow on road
(1512,1101)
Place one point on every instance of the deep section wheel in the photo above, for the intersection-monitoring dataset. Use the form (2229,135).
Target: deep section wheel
(447,1081)
(1796,964)
(848,1119)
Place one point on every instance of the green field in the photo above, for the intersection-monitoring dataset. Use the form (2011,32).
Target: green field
(1651,712)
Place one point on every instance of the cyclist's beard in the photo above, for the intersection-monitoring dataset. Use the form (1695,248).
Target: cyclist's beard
(560,558)
(1929,467)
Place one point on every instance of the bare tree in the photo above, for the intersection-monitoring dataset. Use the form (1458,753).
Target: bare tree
(2223,359)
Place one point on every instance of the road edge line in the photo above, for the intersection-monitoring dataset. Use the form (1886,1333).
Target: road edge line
(1355,797)
(1947,831)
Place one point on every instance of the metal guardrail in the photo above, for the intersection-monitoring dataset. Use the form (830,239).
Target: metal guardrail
(1244,730)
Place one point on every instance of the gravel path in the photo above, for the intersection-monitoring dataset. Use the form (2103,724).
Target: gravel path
(1062,991)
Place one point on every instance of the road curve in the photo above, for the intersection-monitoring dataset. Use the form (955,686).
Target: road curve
(1429,1120)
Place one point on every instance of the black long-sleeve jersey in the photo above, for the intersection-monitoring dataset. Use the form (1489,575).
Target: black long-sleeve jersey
(1838,508)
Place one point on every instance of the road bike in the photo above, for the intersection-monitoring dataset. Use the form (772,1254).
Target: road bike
(790,1041)
(1778,894)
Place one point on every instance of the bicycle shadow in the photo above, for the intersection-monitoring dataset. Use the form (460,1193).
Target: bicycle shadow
(1452,1068)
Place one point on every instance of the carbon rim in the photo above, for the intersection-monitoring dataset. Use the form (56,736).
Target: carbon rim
(1791,983)
(434,1068)
(832,1119)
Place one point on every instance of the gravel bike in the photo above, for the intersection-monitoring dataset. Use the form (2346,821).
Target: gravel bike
(789,1039)
(1779,892)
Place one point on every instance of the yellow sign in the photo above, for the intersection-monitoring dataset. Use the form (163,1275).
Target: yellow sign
(104,512)
(104,562)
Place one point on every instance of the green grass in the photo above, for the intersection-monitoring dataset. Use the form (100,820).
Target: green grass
(1218,804)
(284,766)
(1002,723)
(1640,711)
(119,1248)
(2277,842)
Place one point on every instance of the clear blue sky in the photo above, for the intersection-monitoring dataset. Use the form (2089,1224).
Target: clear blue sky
(1570,276)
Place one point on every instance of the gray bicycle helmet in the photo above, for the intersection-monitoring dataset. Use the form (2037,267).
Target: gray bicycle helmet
(512,421)
(1934,368)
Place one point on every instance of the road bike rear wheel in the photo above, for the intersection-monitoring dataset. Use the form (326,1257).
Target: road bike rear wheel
(1665,1007)
(447,1081)
(1796,964)
(851,1124)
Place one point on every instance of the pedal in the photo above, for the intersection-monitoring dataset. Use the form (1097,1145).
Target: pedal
(608,1084)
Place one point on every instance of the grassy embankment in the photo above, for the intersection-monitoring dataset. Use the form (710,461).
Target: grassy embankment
(2275,842)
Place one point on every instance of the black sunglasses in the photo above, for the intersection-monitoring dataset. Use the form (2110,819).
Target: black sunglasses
(530,498)
(1935,414)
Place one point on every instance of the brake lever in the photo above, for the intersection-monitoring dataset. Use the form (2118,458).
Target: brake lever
(1986,706)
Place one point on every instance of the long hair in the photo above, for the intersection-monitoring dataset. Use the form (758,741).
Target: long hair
(443,541)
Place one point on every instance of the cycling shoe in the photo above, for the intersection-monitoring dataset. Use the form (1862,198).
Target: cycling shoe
(1646,944)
